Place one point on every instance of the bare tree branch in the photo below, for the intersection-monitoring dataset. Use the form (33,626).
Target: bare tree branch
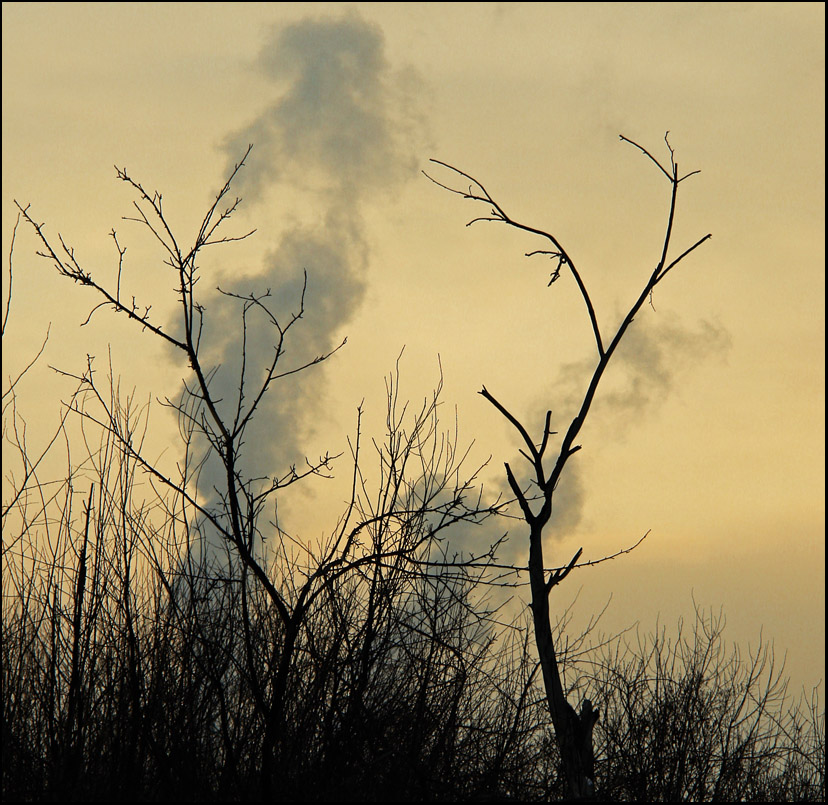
(573,729)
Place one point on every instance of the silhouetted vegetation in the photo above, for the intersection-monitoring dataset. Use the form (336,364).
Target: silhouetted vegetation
(163,642)
(402,697)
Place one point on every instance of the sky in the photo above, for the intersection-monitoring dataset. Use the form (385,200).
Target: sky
(708,431)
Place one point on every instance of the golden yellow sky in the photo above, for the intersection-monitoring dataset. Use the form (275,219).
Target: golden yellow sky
(710,430)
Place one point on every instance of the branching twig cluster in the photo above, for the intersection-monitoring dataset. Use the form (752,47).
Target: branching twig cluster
(389,536)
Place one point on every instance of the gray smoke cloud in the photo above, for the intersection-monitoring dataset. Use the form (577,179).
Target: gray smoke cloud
(656,352)
(339,131)
(654,355)
(342,120)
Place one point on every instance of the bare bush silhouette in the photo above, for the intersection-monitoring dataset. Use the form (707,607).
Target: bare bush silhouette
(264,615)
(687,720)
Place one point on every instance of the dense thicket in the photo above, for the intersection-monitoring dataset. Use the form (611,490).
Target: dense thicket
(130,682)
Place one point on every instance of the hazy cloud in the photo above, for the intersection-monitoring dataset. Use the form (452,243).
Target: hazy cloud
(652,357)
(338,129)
(654,354)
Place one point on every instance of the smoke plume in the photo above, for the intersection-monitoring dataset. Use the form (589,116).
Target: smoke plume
(651,359)
(336,136)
